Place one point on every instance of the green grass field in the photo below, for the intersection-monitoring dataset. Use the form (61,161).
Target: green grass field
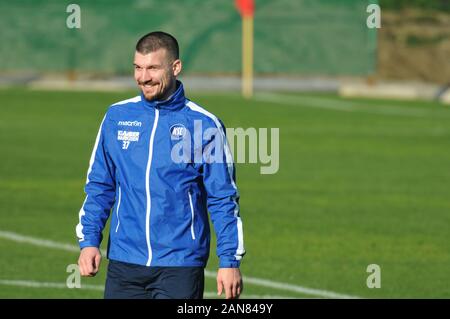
(360,182)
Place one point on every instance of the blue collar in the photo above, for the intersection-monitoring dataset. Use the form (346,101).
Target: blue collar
(175,102)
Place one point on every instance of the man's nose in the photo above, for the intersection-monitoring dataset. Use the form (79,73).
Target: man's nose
(145,76)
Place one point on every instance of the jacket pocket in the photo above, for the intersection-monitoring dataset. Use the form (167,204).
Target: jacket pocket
(192,215)
(117,209)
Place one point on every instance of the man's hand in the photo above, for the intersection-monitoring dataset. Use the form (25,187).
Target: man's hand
(230,280)
(89,261)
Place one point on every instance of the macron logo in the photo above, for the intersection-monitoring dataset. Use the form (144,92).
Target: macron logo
(129,123)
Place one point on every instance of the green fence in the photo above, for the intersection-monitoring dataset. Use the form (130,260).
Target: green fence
(313,37)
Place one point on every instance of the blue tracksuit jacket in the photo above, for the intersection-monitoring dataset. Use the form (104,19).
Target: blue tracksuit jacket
(158,206)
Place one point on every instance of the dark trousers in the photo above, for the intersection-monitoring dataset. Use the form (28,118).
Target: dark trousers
(130,281)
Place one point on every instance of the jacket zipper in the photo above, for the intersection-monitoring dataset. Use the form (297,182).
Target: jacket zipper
(147,187)
(118,207)
(192,216)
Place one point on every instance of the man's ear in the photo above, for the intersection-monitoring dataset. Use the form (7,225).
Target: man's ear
(176,67)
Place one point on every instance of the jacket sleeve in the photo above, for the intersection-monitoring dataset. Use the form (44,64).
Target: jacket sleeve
(100,194)
(223,198)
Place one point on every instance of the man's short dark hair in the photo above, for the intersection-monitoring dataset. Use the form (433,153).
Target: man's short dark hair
(154,41)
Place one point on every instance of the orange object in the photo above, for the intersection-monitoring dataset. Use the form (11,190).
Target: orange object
(245,7)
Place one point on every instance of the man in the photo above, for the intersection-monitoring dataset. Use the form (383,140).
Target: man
(159,233)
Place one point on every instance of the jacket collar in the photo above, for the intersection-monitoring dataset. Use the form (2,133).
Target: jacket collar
(175,102)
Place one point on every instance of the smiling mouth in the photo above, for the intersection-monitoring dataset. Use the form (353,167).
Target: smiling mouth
(147,84)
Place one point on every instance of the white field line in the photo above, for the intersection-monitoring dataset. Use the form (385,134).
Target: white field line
(59,285)
(37,241)
(289,287)
(346,106)
(40,284)
(247,280)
